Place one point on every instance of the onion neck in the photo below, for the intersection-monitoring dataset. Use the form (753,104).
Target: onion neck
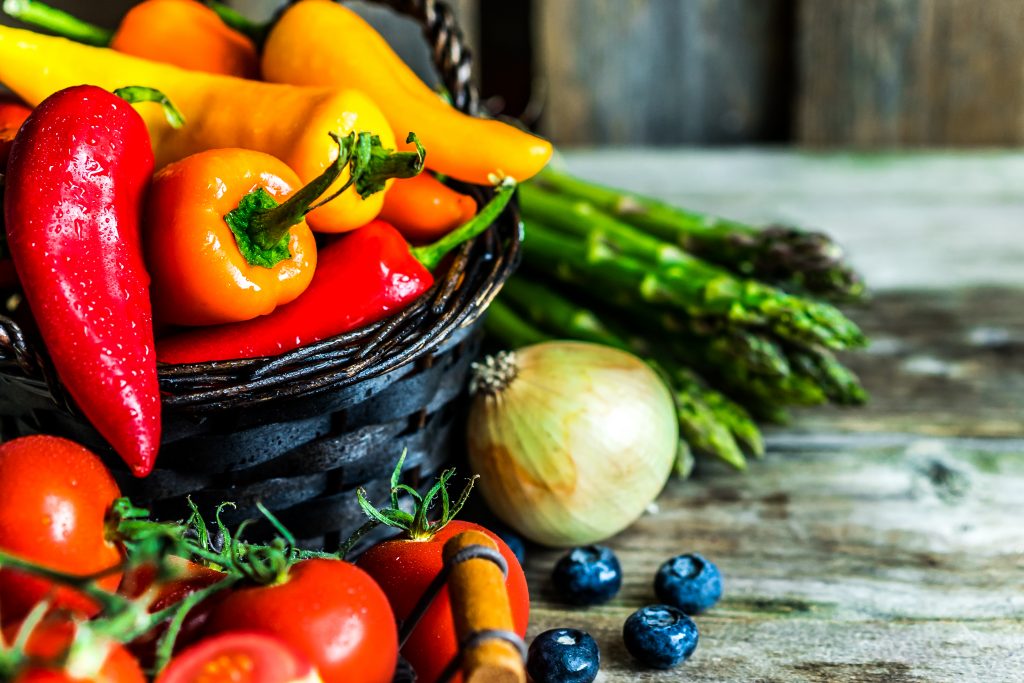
(494,374)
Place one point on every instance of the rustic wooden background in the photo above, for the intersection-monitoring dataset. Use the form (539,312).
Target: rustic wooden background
(821,73)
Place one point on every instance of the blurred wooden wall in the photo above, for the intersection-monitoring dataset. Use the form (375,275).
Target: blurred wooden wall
(664,71)
(821,73)
(862,73)
(911,72)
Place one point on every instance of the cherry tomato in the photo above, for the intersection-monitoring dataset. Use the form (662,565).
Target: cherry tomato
(405,568)
(52,638)
(188,578)
(329,610)
(240,657)
(56,495)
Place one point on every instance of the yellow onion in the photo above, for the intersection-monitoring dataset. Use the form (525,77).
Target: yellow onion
(572,441)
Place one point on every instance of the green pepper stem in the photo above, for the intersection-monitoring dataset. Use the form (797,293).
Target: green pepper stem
(58,21)
(267,228)
(380,165)
(430,255)
(135,94)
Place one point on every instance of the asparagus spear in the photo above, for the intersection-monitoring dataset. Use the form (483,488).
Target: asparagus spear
(702,426)
(793,258)
(839,384)
(747,351)
(747,364)
(514,332)
(690,285)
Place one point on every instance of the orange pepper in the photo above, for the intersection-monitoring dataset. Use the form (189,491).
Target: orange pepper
(199,274)
(185,33)
(219,246)
(188,34)
(317,42)
(424,209)
(12,115)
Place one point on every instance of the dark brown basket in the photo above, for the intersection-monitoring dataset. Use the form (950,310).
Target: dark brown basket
(299,432)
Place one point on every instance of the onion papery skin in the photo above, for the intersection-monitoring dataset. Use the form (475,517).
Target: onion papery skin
(576,445)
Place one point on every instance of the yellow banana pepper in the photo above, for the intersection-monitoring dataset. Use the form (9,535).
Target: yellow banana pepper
(322,43)
(288,122)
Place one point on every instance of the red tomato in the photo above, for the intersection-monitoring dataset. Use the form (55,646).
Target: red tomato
(55,499)
(189,578)
(329,610)
(405,568)
(240,658)
(51,639)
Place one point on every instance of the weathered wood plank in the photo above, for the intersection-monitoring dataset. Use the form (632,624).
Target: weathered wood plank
(910,72)
(898,562)
(663,71)
(945,363)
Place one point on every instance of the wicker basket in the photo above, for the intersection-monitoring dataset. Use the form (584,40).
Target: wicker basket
(301,431)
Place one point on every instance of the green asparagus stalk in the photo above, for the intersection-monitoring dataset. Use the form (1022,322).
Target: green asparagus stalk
(838,382)
(793,258)
(746,351)
(747,365)
(510,329)
(553,312)
(609,255)
(706,429)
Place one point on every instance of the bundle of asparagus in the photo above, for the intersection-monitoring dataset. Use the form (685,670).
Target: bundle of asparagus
(719,308)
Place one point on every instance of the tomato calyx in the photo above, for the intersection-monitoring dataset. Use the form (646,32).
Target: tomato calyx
(416,525)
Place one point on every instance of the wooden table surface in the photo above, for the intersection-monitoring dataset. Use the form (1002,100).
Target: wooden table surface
(878,544)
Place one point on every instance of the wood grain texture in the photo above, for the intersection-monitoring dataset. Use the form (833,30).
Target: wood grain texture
(910,72)
(942,363)
(661,71)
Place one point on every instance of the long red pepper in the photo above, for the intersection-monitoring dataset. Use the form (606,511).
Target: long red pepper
(366,275)
(75,183)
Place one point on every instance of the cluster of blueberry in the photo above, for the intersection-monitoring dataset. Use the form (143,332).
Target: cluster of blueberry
(659,636)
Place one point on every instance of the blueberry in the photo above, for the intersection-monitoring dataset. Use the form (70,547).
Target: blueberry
(588,576)
(514,542)
(563,655)
(688,582)
(660,636)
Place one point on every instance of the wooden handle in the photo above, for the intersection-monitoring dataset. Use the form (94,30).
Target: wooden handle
(479,600)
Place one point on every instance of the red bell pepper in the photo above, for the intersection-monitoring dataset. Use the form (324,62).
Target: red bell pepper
(363,277)
(75,183)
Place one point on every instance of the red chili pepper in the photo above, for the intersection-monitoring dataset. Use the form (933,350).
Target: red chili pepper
(75,184)
(365,276)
